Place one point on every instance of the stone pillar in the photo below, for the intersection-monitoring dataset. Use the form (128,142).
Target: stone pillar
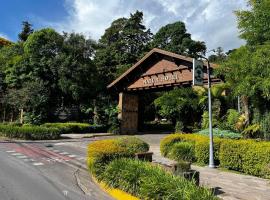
(128,113)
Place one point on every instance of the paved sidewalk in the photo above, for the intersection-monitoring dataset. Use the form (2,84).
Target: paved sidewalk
(227,185)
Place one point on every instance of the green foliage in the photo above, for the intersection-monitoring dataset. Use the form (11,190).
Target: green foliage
(179,126)
(265,125)
(221,133)
(74,127)
(174,37)
(218,57)
(179,105)
(150,182)
(100,153)
(113,122)
(122,45)
(26,31)
(254,23)
(252,131)
(133,144)
(4,42)
(183,151)
(232,118)
(29,132)
(205,120)
(246,156)
(48,71)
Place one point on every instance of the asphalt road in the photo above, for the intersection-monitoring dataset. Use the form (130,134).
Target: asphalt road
(46,171)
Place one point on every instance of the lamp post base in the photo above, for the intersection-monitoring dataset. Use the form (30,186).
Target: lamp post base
(211,166)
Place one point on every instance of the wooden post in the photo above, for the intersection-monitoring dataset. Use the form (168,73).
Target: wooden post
(128,113)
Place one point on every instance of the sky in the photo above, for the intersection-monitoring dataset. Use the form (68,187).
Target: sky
(212,21)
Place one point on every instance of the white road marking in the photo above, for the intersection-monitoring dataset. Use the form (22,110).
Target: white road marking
(38,163)
(16,154)
(10,151)
(21,156)
(72,156)
(64,153)
(27,159)
(58,144)
(81,158)
(65,192)
(55,150)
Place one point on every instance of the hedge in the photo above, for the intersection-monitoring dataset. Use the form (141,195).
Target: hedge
(247,156)
(29,132)
(110,161)
(200,142)
(74,127)
(146,181)
(101,152)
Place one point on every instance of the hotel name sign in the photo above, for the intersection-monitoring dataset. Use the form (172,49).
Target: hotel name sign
(161,78)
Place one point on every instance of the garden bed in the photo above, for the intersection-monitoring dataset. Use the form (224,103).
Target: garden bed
(112,162)
(246,156)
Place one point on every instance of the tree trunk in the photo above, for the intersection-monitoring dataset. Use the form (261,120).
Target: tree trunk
(96,117)
(246,109)
(4,117)
(21,116)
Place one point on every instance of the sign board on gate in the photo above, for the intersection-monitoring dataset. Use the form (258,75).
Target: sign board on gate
(197,72)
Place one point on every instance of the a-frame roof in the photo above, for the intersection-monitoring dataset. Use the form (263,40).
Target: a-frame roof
(147,56)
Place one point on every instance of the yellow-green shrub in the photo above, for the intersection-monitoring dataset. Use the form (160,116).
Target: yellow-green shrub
(201,146)
(248,156)
(231,153)
(168,141)
(101,152)
(202,150)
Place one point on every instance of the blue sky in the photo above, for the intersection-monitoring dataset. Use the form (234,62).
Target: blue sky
(13,12)
(212,21)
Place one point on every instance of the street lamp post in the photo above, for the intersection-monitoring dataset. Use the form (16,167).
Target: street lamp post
(211,142)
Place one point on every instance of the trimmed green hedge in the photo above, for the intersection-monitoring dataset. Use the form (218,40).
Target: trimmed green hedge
(183,151)
(200,142)
(29,132)
(101,152)
(74,127)
(151,182)
(247,156)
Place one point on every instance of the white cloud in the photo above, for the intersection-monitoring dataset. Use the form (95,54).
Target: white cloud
(3,35)
(212,21)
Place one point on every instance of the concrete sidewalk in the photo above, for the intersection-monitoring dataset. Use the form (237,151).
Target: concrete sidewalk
(227,185)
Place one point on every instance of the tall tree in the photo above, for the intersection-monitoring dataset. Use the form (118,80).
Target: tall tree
(77,73)
(26,31)
(174,37)
(121,46)
(219,56)
(247,68)
(59,65)
(254,23)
